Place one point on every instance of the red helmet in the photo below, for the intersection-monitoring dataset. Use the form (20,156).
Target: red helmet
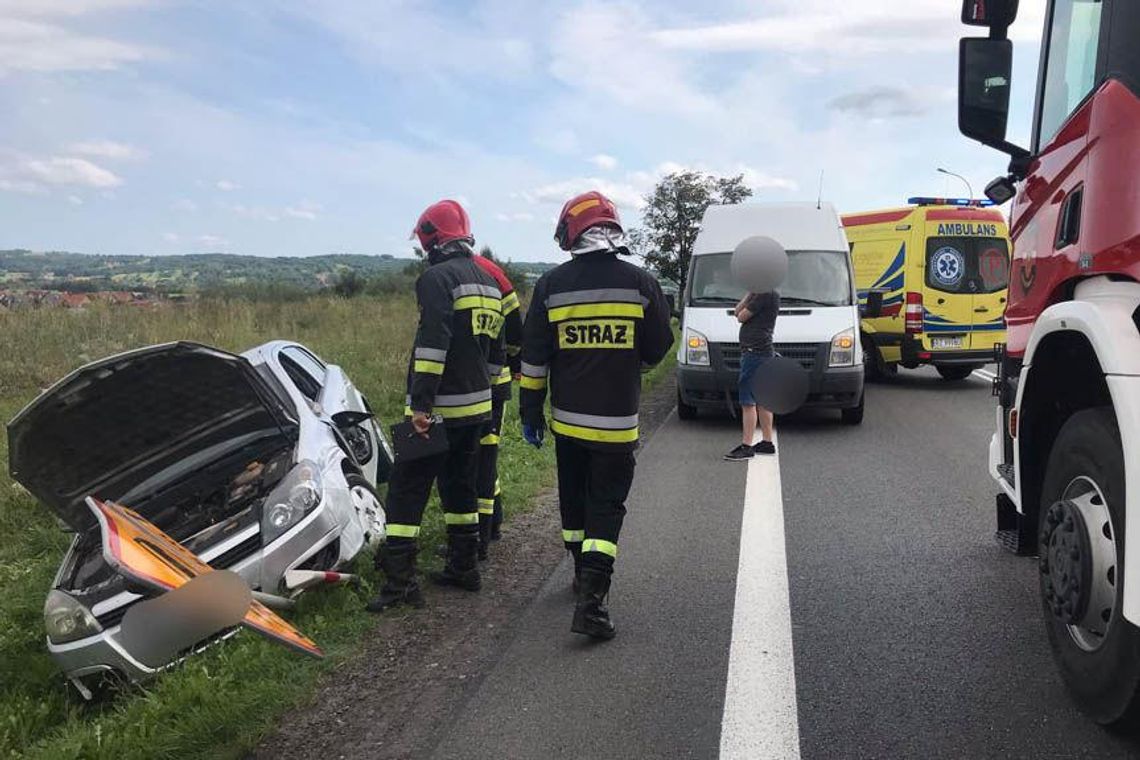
(581,213)
(441,223)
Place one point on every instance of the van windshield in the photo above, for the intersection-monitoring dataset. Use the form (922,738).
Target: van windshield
(815,278)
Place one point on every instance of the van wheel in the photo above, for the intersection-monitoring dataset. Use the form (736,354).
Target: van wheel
(854,415)
(956,371)
(1081,545)
(685,411)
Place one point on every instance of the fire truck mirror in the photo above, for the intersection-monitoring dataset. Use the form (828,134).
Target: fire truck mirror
(983,93)
(990,13)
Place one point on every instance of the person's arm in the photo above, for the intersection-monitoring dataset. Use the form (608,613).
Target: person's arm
(433,338)
(537,352)
(657,326)
(513,330)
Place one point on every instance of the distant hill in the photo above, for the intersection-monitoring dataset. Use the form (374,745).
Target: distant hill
(200,271)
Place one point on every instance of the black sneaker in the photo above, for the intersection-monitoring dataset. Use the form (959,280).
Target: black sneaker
(765,447)
(741,453)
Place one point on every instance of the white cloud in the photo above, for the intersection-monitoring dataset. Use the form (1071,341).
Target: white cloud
(227,186)
(170,237)
(256,213)
(557,193)
(518,216)
(184,205)
(75,200)
(22,173)
(34,45)
(304,210)
(214,242)
(107,149)
(604,162)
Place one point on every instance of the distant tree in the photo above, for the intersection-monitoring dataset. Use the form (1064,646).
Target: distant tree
(417,267)
(349,283)
(672,218)
(514,273)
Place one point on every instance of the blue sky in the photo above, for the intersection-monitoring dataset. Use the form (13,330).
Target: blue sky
(304,127)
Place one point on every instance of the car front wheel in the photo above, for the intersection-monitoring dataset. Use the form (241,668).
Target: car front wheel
(368,506)
(1081,546)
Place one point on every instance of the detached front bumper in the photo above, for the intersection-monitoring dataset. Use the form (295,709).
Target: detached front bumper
(264,570)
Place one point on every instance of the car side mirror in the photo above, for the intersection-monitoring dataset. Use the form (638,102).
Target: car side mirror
(1001,190)
(874,306)
(671,298)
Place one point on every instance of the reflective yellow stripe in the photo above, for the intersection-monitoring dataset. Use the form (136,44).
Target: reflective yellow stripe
(461,518)
(504,376)
(428,367)
(573,536)
(588,310)
(402,531)
(600,546)
(532,383)
(478,302)
(491,439)
(510,303)
(471,410)
(498,487)
(595,434)
(486,506)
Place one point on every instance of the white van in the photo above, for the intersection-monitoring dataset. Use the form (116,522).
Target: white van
(819,311)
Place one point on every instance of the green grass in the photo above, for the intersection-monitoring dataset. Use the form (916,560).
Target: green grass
(219,703)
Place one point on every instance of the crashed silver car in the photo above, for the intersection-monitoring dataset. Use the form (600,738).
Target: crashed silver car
(261,464)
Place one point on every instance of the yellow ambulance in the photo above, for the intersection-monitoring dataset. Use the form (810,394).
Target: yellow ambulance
(936,275)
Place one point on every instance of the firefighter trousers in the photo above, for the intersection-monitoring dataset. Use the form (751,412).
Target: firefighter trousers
(593,485)
(455,472)
(488,478)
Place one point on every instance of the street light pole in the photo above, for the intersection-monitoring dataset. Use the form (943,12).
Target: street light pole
(969,187)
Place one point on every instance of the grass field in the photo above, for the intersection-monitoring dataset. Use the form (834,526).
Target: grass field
(219,703)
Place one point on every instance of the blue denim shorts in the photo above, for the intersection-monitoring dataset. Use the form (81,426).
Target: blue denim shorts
(750,362)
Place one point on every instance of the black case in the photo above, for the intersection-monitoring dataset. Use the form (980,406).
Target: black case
(408,445)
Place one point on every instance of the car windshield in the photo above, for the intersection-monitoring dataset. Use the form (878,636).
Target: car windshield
(815,278)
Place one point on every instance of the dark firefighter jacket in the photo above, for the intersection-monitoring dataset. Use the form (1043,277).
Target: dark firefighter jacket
(459,336)
(501,376)
(593,322)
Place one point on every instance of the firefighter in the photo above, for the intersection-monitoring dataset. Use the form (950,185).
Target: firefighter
(459,336)
(593,324)
(490,491)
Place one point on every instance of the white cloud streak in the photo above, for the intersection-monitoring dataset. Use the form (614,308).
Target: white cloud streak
(35,37)
(108,149)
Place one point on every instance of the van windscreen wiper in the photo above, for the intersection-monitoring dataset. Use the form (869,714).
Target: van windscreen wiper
(805,301)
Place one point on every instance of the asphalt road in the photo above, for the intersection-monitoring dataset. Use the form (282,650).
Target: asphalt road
(914,635)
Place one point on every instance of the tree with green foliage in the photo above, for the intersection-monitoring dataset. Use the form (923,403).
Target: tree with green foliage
(349,283)
(672,218)
(516,275)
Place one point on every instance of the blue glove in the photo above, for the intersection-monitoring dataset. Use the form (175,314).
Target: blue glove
(534,434)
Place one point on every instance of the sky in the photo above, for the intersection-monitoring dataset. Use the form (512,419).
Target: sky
(305,127)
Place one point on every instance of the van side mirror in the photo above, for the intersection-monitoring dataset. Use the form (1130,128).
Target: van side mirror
(671,298)
(995,14)
(1001,190)
(873,309)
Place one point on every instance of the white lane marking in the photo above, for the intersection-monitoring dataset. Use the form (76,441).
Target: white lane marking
(984,375)
(760,715)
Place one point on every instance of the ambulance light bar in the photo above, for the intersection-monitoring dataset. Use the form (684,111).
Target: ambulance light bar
(964,202)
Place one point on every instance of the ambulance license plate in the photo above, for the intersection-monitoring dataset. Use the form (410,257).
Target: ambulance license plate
(952,341)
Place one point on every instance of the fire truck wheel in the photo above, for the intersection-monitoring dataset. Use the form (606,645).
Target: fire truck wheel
(1082,558)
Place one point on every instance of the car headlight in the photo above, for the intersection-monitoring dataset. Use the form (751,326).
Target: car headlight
(696,348)
(843,349)
(294,497)
(66,619)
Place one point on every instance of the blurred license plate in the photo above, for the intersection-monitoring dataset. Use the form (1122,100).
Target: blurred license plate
(954,341)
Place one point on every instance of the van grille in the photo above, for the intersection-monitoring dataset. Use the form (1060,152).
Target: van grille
(805,353)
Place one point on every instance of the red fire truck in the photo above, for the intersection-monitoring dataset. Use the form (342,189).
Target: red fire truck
(1066,451)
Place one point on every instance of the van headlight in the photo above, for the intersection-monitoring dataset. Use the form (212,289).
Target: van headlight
(843,349)
(696,348)
(66,619)
(294,497)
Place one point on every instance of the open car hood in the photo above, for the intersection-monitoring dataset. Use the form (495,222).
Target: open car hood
(116,423)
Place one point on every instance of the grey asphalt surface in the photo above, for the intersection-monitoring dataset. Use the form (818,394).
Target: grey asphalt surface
(915,635)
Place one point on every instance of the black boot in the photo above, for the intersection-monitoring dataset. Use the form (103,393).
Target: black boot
(591,618)
(484,535)
(497,520)
(462,568)
(398,561)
